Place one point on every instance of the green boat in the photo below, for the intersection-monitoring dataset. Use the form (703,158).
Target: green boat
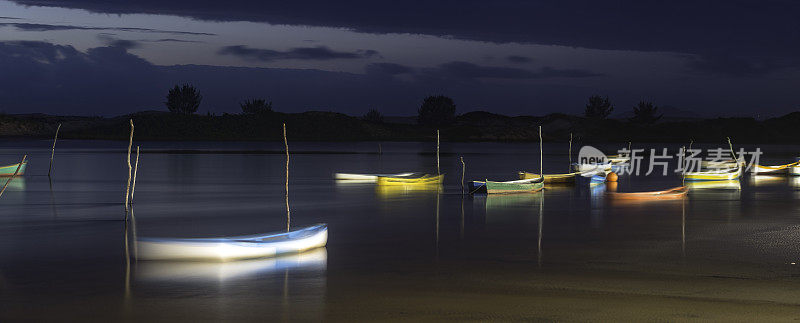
(10,169)
(519,186)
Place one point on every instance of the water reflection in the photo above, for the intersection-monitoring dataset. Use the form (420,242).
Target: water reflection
(767,180)
(221,271)
(402,191)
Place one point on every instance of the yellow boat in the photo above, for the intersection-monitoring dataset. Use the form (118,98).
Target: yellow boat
(551,178)
(715,175)
(780,169)
(425,179)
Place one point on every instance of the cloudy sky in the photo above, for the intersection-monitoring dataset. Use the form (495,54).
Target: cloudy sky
(707,58)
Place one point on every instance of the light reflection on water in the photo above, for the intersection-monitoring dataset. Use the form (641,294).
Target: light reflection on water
(373,231)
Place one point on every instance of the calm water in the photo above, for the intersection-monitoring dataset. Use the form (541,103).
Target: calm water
(391,254)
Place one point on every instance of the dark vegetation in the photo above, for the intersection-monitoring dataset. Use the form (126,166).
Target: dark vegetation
(258,121)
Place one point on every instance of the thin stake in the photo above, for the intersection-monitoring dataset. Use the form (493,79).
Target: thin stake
(437,153)
(53,153)
(130,170)
(380,150)
(135,170)
(732,152)
(15,174)
(463,170)
(541,158)
(569,167)
(288,212)
(684,166)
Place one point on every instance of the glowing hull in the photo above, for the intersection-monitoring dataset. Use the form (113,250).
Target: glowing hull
(232,248)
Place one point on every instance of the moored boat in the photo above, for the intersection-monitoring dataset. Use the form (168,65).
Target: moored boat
(232,248)
(668,194)
(366,178)
(417,179)
(518,186)
(551,178)
(772,170)
(584,168)
(10,169)
(724,174)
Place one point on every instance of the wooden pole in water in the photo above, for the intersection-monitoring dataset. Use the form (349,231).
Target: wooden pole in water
(463,170)
(380,150)
(732,152)
(437,153)
(684,166)
(569,167)
(13,176)
(130,170)
(53,153)
(135,170)
(288,212)
(541,154)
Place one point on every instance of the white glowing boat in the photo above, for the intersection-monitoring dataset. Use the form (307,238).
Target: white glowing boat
(591,168)
(232,248)
(366,178)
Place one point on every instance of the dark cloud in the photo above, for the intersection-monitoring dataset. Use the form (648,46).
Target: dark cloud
(466,70)
(318,53)
(518,59)
(49,78)
(170,40)
(388,69)
(733,66)
(683,26)
(48,27)
(10,18)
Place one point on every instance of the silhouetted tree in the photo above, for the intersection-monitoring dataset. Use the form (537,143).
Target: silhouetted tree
(256,106)
(373,116)
(645,113)
(183,99)
(598,107)
(436,111)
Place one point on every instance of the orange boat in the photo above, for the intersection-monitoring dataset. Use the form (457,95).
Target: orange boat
(674,193)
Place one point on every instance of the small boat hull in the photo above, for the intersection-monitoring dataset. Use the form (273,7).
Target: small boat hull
(674,193)
(9,170)
(425,179)
(510,187)
(716,175)
(551,178)
(232,248)
(366,178)
(773,170)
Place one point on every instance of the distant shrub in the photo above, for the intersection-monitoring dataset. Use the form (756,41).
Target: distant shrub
(183,99)
(256,106)
(598,107)
(645,113)
(373,116)
(437,111)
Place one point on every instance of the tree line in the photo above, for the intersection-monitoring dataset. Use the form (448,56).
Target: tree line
(435,110)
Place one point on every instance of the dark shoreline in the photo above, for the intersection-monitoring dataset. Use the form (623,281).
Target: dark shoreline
(337,127)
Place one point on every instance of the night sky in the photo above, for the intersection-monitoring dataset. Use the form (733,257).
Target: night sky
(693,58)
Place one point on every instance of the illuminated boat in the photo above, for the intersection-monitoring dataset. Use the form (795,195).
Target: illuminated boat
(232,248)
(10,169)
(509,187)
(668,194)
(725,174)
(416,179)
(584,168)
(366,178)
(773,170)
(551,178)
(715,185)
